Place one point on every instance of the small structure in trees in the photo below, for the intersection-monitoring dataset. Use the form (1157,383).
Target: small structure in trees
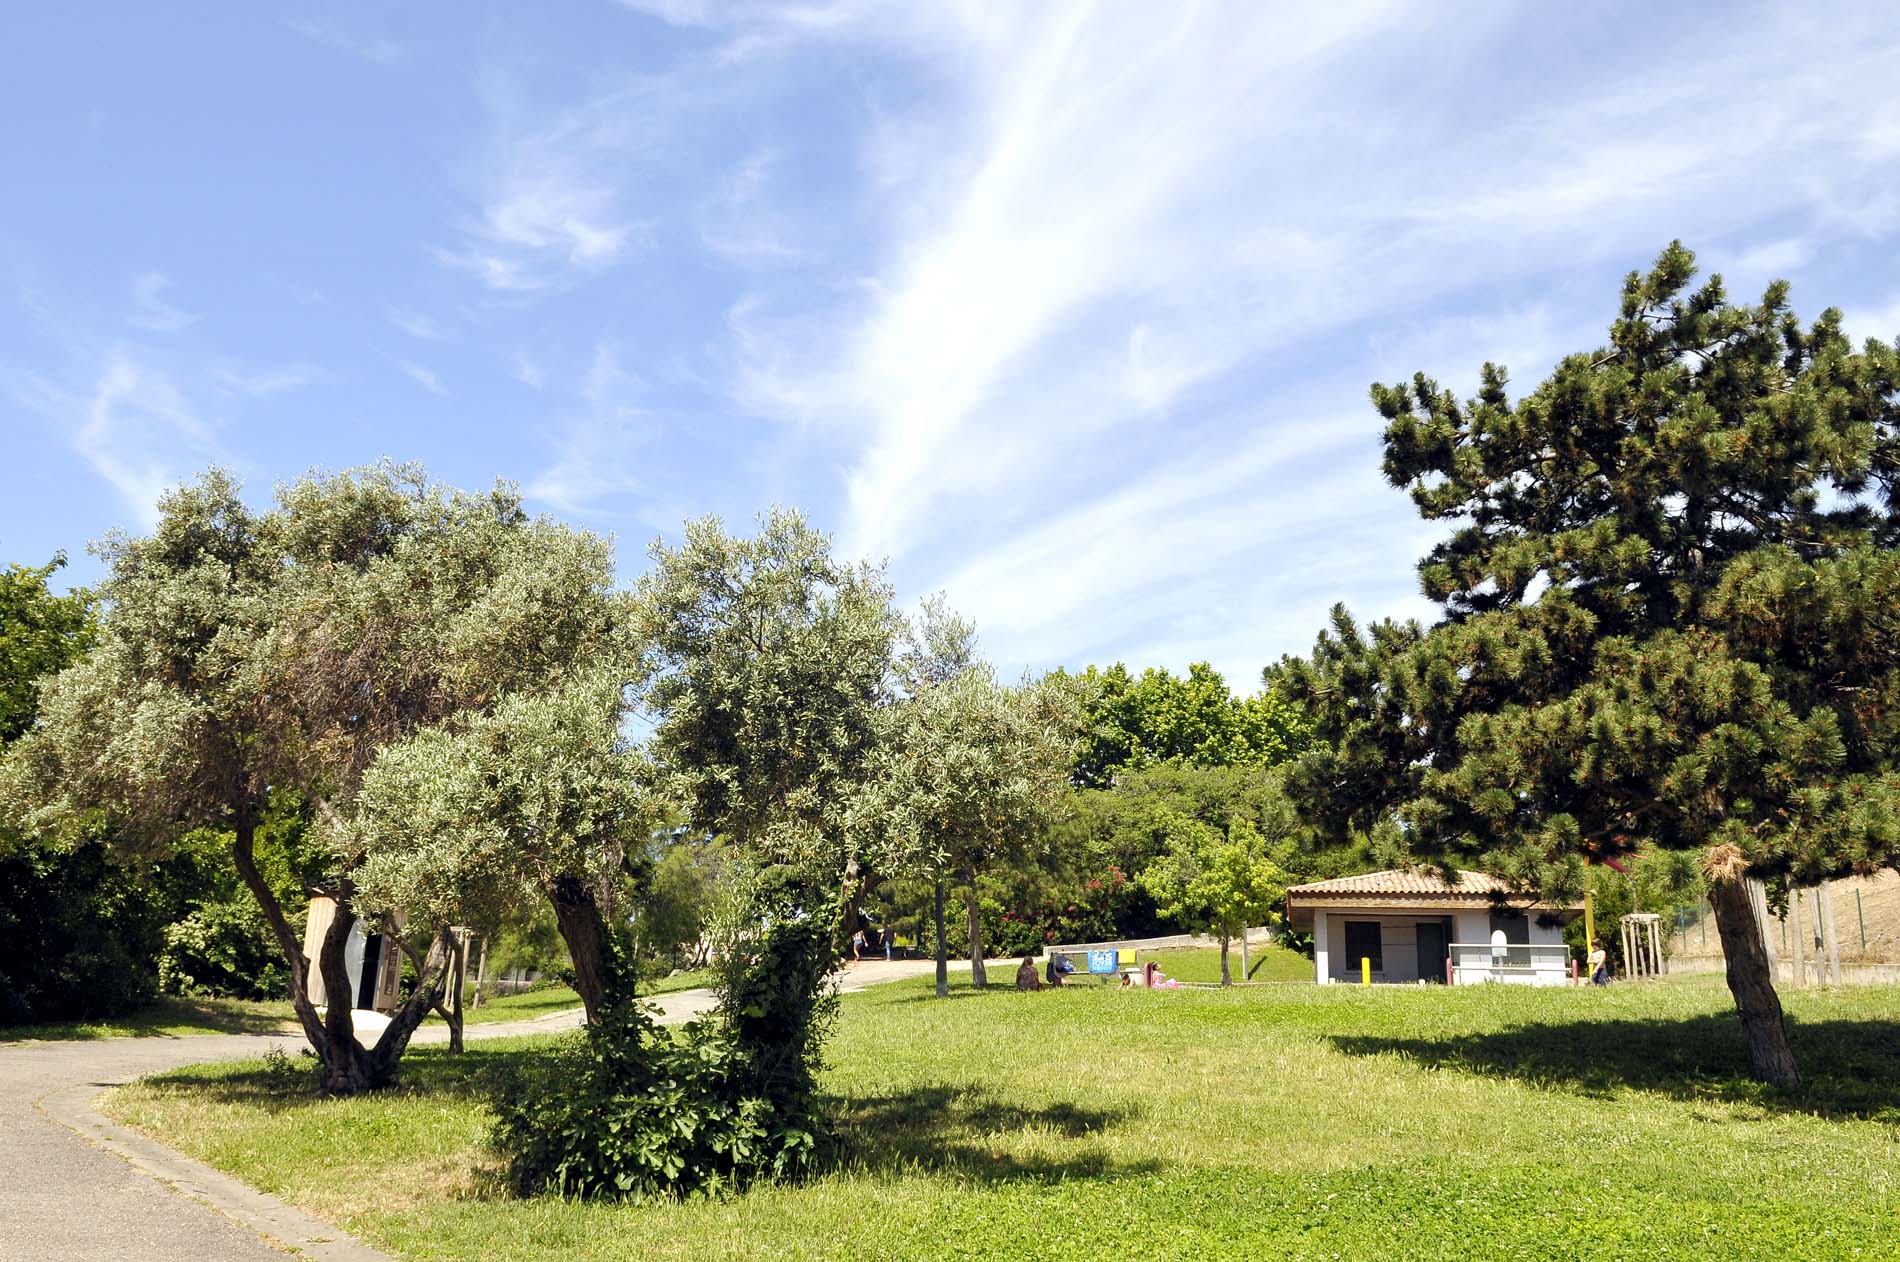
(1416,926)
(1642,945)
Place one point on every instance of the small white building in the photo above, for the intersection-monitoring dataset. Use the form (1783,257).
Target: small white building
(1416,926)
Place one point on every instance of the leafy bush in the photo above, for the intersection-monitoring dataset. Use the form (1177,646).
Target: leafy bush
(77,935)
(222,948)
(627,1111)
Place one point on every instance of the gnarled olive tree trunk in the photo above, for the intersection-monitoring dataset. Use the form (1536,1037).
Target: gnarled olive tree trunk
(348,1067)
(577,915)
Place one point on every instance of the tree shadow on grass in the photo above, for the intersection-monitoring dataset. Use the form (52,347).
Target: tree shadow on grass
(947,1129)
(1848,1068)
(288,1085)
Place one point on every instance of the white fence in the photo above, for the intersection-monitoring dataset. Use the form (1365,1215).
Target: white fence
(1525,964)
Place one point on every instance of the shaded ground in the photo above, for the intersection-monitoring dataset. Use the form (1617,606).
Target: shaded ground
(1849,1068)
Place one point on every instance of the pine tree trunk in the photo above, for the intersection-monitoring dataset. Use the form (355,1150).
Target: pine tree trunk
(577,915)
(977,977)
(943,949)
(1752,982)
(1226,977)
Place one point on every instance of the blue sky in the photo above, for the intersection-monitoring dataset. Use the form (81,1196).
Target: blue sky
(1068,310)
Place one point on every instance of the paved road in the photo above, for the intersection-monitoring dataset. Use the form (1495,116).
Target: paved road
(73,1188)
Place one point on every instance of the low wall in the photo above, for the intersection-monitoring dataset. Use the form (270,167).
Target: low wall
(1255,937)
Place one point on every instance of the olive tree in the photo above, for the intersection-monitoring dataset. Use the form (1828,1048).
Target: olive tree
(243,654)
(772,660)
(540,797)
(968,774)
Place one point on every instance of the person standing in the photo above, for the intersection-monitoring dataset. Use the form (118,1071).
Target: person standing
(1599,964)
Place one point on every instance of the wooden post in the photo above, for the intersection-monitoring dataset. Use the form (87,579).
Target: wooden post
(1830,940)
(1589,919)
(458,974)
(481,969)
(1245,974)
(1758,903)
(1797,935)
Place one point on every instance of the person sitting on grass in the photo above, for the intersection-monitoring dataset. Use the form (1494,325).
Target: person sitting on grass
(1154,979)
(1026,978)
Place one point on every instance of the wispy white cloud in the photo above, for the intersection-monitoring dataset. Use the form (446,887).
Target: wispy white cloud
(1023,315)
(260,383)
(151,311)
(130,422)
(378,50)
(422,376)
(417,325)
(675,12)
(600,452)
(550,204)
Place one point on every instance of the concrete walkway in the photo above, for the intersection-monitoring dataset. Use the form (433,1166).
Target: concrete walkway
(79,1188)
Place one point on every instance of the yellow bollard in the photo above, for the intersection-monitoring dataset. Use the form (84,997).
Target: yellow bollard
(1365,970)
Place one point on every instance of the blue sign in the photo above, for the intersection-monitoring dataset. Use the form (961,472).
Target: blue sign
(1101,961)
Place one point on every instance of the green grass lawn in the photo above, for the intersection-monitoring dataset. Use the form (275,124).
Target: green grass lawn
(1202,964)
(550,999)
(1098,1123)
(170,1016)
(524,1006)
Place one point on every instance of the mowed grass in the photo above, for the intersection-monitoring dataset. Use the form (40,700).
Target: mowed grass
(1098,1123)
(170,1016)
(1202,964)
(547,1000)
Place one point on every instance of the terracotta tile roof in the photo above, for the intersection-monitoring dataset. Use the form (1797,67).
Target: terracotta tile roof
(1400,881)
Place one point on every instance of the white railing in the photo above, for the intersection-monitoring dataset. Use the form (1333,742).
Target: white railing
(1516,962)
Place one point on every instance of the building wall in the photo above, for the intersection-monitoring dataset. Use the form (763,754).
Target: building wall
(1399,942)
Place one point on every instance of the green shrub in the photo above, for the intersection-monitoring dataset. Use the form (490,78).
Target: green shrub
(77,935)
(222,948)
(627,1111)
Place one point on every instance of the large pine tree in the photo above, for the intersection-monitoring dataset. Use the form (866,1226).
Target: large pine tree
(1671,618)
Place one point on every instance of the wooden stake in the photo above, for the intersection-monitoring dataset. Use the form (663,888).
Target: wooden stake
(1830,940)
(1797,937)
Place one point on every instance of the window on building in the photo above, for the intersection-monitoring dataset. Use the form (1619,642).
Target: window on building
(1516,926)
(1363,943)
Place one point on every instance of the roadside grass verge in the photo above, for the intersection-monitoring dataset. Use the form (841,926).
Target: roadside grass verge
(169,1016)
(1097,1123)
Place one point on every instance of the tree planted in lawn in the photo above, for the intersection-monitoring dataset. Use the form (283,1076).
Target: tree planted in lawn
(242,655)
(1135,721)
(772,660)
(967,775)
(1669,618)
(1209,882)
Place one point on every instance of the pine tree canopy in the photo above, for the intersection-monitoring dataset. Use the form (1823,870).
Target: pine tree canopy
(1671,606)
